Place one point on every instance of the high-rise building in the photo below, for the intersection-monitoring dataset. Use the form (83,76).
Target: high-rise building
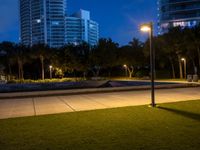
(25,22)
(46,21)
(172,13)
(80,28)
(43,21)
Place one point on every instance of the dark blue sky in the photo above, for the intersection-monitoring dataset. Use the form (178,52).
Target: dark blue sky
(118,19)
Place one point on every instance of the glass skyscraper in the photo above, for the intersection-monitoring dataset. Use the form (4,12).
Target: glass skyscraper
(25,22)
(172,13)
(46,21)
(43,21)
(80,28)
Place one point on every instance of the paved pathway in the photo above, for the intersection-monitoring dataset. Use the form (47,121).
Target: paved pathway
(11,108)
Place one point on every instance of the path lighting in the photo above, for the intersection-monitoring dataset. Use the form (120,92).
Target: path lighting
(50,70)
(185,66)
(126,69)
(148,27)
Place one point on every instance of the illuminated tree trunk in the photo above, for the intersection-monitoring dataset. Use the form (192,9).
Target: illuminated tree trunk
(130,71)
(194,66)
(20,69)
(9,71)
(198,50)
(180,66)
(173,68)
(42,66)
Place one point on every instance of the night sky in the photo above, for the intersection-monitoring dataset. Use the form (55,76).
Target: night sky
(118,19)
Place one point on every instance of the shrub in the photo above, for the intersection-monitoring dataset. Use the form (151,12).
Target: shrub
(142,73)
(45,81)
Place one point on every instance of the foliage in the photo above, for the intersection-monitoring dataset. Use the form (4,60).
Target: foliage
(45,81)
(103,56)
(106,59)
(131,56)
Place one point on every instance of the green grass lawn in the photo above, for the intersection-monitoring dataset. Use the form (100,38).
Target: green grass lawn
(171,127)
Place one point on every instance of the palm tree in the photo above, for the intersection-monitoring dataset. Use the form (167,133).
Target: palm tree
(103,56)
(136,43)
(15,53)
(191,45)
(131,56)
(194,40)
(175,40)
(20,56)
(166,51)
(8,49)
(41,52)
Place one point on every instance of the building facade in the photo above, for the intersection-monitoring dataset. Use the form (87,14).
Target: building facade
(25,22)
(173,13)
(43,21)
(79,28)
(46,21)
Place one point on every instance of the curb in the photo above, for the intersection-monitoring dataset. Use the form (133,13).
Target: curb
(89,91)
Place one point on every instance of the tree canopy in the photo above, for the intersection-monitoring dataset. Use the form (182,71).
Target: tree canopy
(106,58)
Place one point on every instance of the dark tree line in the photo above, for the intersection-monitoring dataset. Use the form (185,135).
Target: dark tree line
(179,43)
(105,59)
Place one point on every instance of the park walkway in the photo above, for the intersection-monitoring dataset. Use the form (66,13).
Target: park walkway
(35,106)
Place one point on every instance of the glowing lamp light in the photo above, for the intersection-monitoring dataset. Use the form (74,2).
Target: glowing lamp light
(125,66)
(183,59)
(145,28)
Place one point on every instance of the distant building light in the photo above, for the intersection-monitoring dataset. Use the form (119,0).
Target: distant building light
(55,23)
(75,43)
(182,24)
(164,26)
(192,23)
(185,23)
(38,20)
(92,26)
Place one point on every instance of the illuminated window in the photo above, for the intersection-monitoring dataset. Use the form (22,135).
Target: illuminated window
(55,23)
(185,24)
(164,25)
(38,20)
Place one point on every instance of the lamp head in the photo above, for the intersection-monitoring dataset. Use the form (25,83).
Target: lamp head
(125,66)
(146,27)
(183,59)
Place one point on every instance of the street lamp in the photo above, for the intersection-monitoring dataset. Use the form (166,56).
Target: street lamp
(50,70)
(126,71)
(185,67)
(148,27)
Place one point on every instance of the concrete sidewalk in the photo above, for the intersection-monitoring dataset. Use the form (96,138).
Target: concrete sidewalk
(11,108)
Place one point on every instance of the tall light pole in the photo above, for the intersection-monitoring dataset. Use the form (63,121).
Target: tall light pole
(50,70)
(148,27)
(185,67)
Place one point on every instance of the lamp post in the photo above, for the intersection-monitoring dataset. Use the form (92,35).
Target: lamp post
(185,67)
(148,27)
(126,71)
(50,70)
